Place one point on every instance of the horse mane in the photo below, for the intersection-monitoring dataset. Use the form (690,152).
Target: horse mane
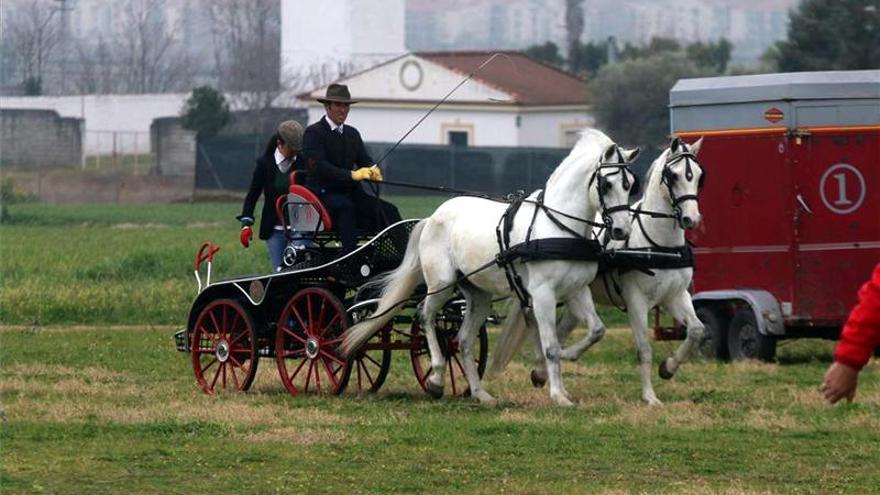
(591,143)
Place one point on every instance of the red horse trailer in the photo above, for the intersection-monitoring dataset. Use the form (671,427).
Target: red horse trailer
(791,204)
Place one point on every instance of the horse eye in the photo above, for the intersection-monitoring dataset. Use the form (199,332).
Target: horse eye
(605,187)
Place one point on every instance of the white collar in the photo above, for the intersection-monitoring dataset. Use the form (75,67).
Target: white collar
(282,162)
(333,126)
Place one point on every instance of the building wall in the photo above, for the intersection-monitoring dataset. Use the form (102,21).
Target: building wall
(552,128)
(123,119)
(36,139)
(388,125)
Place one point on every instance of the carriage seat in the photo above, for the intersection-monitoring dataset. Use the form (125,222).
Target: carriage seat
(302,211)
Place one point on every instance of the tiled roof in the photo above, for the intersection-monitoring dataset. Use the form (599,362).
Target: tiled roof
(529,81)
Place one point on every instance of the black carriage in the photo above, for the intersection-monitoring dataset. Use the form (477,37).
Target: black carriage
(298,315)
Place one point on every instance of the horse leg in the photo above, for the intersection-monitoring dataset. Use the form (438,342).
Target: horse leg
(682,309)
(583,310)
(544,315)
(580,309)
(478,307)
(430,306)
(638,321)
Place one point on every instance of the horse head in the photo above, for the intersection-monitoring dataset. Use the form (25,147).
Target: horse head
(683,179)
(614,182)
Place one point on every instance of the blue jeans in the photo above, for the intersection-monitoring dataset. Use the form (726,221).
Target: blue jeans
(276,244)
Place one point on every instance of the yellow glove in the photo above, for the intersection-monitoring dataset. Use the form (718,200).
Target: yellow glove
(361,174)
(376,174)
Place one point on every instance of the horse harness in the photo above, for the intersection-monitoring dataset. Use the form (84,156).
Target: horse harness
(646,259)
(575,248)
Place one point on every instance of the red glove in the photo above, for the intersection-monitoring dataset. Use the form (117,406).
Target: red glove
(246,235)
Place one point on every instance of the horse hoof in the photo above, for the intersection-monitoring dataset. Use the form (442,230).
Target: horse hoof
(435,391)
(538,381)
(485,399)
(563,401)
(664,371)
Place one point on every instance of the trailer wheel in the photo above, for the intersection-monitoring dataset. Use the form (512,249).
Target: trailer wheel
(309,331)
(224,350)
(745,341)
(369,367)
(714,342)
(446,323)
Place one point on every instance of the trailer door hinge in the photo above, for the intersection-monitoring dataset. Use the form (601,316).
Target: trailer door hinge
(799,135)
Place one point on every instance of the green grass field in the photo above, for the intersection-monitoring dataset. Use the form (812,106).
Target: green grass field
(95,398)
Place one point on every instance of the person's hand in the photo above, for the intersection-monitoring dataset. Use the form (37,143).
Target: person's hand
(361,173)
(840,381)
(376,174)
(246,235)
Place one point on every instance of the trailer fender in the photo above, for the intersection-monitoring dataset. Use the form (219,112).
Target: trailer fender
(768,313)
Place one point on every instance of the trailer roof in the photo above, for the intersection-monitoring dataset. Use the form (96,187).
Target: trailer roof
(788,86)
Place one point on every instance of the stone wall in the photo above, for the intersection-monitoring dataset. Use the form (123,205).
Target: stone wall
(173,146)
(39,139)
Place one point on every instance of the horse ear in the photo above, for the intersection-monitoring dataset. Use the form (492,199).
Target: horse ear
(630,155)
(675,144)
(608,155)
(695,148)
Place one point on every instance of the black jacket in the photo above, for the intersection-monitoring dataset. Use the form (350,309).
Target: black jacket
(331,157)
(265,174)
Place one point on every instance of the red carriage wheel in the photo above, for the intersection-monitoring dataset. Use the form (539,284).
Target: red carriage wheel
(309,332)
(446,324)
(369,367)
(224,350)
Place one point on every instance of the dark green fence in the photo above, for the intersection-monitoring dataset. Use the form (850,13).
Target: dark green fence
(226,162)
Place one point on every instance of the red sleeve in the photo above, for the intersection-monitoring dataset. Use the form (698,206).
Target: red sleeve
(861,334)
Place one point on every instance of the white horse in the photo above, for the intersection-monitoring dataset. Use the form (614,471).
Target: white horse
(460,238)
(668,207)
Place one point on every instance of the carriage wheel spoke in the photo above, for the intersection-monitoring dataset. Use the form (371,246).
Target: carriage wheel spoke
(309,374)
(234,377)
(452,377)
(210,363)
(321,315)
(309,309)
(370,358)
(330,374)
(297,370)
(366,372)
(295,353)
(330,324)
(216,376)
(293,334)
(330,355)
(305,328)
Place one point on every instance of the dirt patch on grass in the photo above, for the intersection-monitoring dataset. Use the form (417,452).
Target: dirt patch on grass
(297,436)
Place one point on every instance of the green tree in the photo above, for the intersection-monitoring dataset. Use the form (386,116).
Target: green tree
(711,55)
(586,59)
(630,99)
(547,53)
(831,35)
(205,111)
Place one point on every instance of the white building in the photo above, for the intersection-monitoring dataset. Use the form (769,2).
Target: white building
(322,40)
(511,101)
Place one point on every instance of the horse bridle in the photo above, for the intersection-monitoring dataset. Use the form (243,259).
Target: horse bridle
(601,180)
(668,179)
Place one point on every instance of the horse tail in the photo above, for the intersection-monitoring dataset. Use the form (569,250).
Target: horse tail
(397,286)
(513,333)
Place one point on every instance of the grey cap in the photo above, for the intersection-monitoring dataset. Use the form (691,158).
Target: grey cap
(291,132)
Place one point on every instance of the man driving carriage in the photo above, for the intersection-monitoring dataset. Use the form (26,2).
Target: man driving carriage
(337,161)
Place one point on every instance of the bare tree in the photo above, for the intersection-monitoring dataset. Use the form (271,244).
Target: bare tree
(247,50)
(154,62)
(29,30)
(97,68)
